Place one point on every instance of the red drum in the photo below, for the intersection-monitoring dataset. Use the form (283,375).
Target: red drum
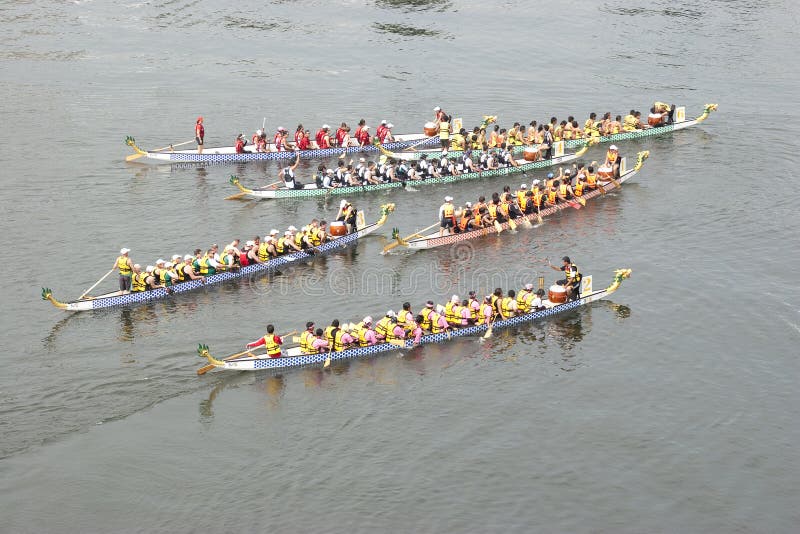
(605,172)
(557,294)
(531,153)
(338,228)
(654,119)
(431,129)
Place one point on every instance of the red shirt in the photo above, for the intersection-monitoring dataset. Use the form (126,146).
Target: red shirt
(303,143)
(318,136)
(239,146)
(363,137)
(339,136)
(325,142)
(381,132)
(199,131)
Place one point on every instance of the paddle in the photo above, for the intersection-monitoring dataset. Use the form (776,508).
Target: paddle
(512,224)
(497,226)
(206,368)
(95,284)
(136,156)
(390,246)
(525,222)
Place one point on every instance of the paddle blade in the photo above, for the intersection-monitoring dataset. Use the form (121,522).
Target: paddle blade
(498,227)
(327,362)
(234,197)
(488,333)
(295,339)
(582,201)
(203,370)
(512,224)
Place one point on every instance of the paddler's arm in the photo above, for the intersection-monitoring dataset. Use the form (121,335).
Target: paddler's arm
(261,341)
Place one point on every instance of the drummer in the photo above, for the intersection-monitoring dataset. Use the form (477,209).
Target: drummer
(572,277)
(612,160)
(347,214)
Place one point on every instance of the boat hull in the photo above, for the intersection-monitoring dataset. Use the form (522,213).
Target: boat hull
(434,240)
(221,155)
(265,363)
(312,191)
(116,299)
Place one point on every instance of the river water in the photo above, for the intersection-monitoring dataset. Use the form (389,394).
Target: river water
(671,407)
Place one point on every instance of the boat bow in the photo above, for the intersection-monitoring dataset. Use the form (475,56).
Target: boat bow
(706,112)
(47,294)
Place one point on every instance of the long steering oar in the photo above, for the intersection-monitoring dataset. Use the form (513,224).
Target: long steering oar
(136,156)
(400,240)
(95,284)
(206,368)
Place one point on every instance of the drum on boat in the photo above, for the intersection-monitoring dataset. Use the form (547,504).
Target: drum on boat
(530,153)
(557,294)
(338,228)
(605,172)
(654,119)
(430,129)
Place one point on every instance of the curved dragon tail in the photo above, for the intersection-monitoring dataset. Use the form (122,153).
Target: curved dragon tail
(619,276)
(641,156)
(706,112)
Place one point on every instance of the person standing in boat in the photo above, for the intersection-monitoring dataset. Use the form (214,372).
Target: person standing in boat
(271,341)
(447,216)
(123,263)
(199,134)
(547,142)
(347,214)
(444,133)
(287,175)
(572,277)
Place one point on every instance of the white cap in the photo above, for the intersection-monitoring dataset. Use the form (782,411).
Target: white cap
(168,264)
(568,171)
(365,128)
(439,308)
(342,204)
(330,171)
(448,199)
(454,298)
(281,128)
(535,182)
(259,132)
(613,147)
(361,160)
(124,250)
(149,268)
(250,243)
(437,108)
(390,125)
(529,286)
(324,126)
(268,238)
(383,121)
(137,266)
(523,186)
(176,257)
(287,232)
(390,313)
(274,232)
(292,228)
(188,257)
(468,204)
(367,320)
(159,260)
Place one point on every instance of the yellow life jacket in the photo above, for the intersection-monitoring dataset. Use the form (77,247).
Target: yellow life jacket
(505,307)
(473,311)
(537,197)
(337,341)
(329,333)
(524,300)
(629,123)
(482,312)
(450,314)
(179,270)
(138,282)
(263,253)
(426,318)
(315,236)
(493,210)
(280,246)
(591,180)
(444,130)
(551,196)
(578,189)
(390,335)
(383,326)
(306,338)
(273,349)
(298,239)
(435,327)
(124,266)
(562,189)
(360,334)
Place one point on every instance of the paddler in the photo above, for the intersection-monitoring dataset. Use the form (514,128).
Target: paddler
(271,341)
(508,305)
(323,137)
(123,263)
(486,311)
(188,269)
(318,343)
(342,339)
(395,332)
(150,280)
(287,175)
(524,298)
(425,318)
(364,332)
(537,303)
(138,282)
(199,134)
(564,190)
(307,337)
(447,216)
(439,322)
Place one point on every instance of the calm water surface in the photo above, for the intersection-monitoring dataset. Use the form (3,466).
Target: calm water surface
(671,407)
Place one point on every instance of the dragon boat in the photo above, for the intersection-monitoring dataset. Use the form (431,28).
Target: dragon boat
(311,190)
(118,298)
(252,362)
(228,154)
(680,123)
(416,241)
